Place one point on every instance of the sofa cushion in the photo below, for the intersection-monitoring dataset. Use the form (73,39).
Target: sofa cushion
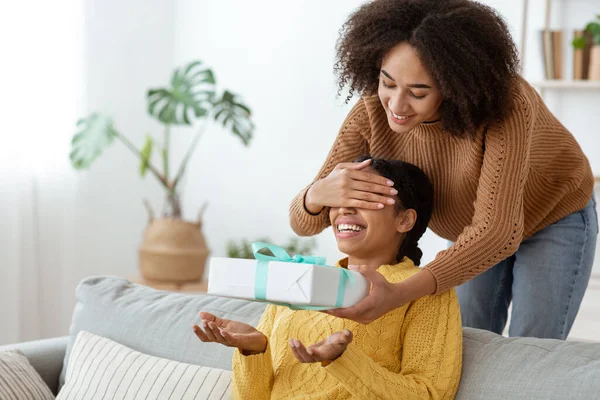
(46,356)
(100,368)
(19,380)
(154,322)
(495,367)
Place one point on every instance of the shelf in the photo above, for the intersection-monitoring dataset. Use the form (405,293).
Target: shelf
(567,84)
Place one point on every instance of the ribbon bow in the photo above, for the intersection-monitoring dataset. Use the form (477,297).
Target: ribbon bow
(279,254)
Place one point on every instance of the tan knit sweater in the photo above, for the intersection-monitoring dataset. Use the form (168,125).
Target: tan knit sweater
(512,180)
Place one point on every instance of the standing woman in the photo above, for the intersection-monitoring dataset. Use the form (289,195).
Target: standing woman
(439,88)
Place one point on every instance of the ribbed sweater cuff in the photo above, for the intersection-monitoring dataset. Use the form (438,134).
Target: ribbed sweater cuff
(303,222)
(446,277)
(254,362)
(349,367)
(254,371)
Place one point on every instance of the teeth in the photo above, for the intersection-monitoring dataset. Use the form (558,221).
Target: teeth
(349,228)
(398,116)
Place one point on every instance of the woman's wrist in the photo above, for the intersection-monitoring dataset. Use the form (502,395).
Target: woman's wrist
(309,205)
(259,349)
(252,352)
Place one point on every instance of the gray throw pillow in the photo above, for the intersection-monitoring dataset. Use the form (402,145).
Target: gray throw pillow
(19,380)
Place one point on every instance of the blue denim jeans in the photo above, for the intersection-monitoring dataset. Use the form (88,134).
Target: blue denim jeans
(545,280)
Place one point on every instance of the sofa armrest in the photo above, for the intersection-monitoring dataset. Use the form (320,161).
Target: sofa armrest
(46,356)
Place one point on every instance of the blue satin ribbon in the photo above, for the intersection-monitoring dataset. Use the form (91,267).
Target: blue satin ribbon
(279,254)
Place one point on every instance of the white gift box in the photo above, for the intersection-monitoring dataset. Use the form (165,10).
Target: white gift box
(287,282)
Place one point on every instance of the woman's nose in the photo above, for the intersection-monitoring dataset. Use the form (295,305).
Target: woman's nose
(347,210)
(397,103)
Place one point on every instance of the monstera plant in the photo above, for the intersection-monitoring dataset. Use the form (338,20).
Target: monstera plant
(190,99)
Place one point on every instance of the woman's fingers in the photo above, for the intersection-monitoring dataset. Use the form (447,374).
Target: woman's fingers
(208,332)
(375,183)
(300,352)
(359,194)
(367,205)
(200,334)
(231,339)
(217,333)
(353,165)
(208,316)
(342,338)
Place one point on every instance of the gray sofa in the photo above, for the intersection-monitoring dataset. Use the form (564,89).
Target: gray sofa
(159,323)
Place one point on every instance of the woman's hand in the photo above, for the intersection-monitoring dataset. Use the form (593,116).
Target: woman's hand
(383,297)
(348,186)
(231,333)
(324,351)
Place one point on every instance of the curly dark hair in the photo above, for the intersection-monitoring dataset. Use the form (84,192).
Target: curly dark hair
(465,45)
(414,191)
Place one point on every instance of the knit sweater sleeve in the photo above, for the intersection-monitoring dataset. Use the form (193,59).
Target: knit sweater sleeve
(350,144)
(431,356)
(496,230)
(253,375)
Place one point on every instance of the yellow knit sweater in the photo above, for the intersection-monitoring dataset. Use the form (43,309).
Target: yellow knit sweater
(413,352)
(515,178)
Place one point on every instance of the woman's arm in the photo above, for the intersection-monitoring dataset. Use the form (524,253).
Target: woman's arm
(497,227)
(495,233)
(431,363)
(253,374)
(350,143)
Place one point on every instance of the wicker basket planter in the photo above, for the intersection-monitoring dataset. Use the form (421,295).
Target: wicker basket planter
(173,250)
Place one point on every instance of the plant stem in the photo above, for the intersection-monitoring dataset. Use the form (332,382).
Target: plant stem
(173,206)
(187,156)
(151,167)
(165,153)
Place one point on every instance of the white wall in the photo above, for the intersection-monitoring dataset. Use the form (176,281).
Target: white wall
(41,82)
(72,225)
(279,55)
(128,48)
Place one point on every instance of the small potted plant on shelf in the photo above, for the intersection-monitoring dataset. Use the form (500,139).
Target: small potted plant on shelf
(172,249)
(243,248)
(591,38)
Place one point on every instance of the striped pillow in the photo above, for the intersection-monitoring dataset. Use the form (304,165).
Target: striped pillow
(19,380)
(100,368)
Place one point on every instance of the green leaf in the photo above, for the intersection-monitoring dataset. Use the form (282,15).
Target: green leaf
(243,107)
(188,98)
(94,134)
(579,42)
(146,155)
(593,27)
(235,116)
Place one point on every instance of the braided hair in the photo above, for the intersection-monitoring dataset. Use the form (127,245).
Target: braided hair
(415,192)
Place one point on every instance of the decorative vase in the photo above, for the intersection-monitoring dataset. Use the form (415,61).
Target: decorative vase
(594,73)
(173,250)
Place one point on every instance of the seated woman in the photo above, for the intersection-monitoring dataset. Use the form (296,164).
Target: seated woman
(413,352)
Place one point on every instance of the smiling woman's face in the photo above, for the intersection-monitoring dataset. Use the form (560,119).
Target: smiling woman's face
(369,234)
(406,90)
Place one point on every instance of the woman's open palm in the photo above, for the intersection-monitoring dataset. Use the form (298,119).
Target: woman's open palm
(231,333)
(326,350)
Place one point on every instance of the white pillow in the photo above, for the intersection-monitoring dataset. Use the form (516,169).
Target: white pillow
(100,368)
